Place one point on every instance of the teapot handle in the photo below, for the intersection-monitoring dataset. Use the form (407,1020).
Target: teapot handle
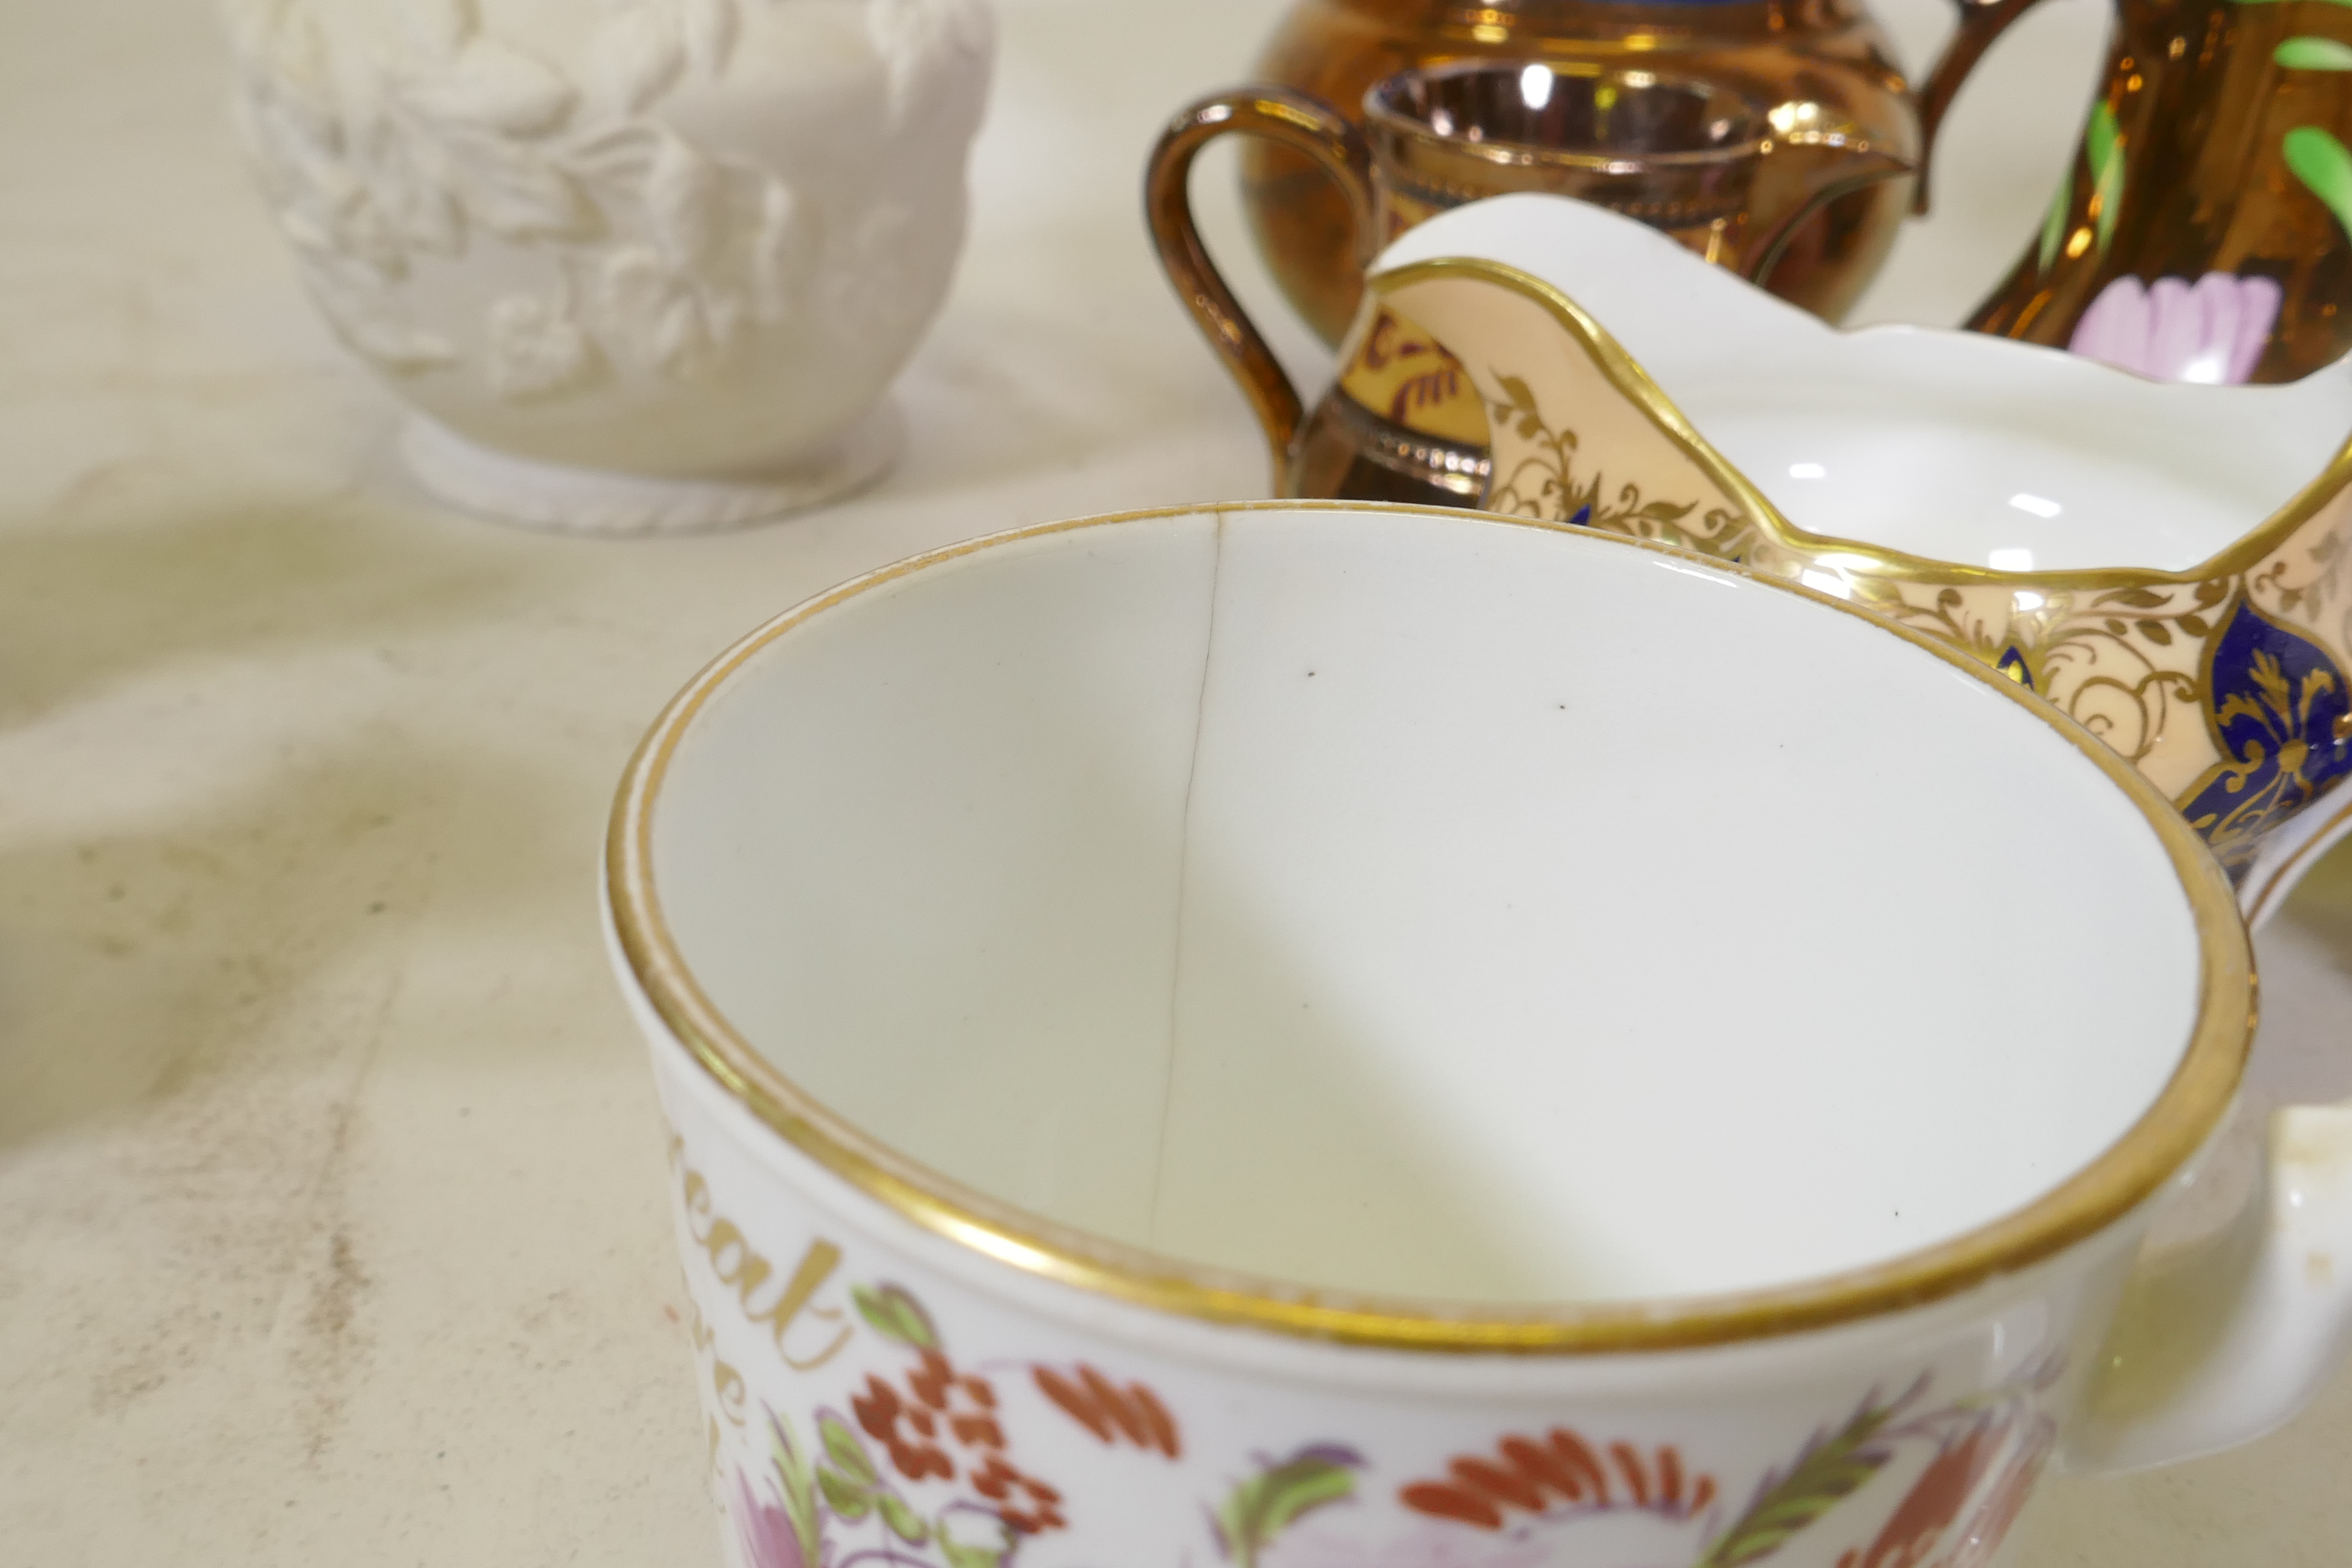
(1299,123)
(2219,1343)
(1981,21)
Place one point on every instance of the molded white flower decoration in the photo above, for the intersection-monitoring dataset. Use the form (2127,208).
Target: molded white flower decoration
(638,264)
(2213,332)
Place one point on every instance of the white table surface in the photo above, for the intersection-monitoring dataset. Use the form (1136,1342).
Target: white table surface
(332,1226)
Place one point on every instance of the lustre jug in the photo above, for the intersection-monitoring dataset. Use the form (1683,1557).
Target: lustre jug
(2199,232)
(1689,157)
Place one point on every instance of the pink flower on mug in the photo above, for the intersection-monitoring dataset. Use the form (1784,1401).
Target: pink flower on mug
(2211,331)
(768,1538)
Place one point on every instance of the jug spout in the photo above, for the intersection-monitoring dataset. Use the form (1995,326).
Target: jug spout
(1821,167)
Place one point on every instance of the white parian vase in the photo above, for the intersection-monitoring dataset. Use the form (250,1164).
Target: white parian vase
(636,266)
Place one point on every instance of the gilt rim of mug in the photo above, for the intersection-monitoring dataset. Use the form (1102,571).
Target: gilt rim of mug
(2127,1174)
(1382,114)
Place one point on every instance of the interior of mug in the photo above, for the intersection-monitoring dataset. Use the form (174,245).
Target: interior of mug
(1412,903)
(1540,107)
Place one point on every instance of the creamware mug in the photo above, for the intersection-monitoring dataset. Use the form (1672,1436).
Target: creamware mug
(1322,1037)
(2169,563)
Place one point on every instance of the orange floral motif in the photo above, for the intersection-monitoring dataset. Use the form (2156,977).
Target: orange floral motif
(1981,1537)
(944,1413)
(1531,1476)
(1918,1523)
(1002,1485)
(1110,1411)
(881,1412)
(1920,1532)
(919,1473)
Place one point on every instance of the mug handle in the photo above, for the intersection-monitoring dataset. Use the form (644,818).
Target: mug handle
(1296,122)
(2218,1342)
(1981,21)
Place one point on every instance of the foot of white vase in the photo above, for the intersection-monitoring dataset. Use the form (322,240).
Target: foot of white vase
(566,499)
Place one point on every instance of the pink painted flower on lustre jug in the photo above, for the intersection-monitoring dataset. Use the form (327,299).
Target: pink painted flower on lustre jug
(2213,330)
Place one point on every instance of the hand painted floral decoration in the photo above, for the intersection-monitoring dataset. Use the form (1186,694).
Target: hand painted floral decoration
(910,1455)
(919,1472)
(2213,330)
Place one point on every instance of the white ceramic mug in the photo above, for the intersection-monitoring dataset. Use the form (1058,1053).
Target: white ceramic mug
(1335,1037)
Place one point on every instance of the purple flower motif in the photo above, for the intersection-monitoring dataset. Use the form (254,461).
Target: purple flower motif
(2212,331)
(769,1539)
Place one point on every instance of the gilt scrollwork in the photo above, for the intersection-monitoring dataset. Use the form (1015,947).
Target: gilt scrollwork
(1544,483)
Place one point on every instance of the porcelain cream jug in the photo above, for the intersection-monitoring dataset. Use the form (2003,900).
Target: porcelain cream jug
(636,266)
(2169,563)
(1314,1037)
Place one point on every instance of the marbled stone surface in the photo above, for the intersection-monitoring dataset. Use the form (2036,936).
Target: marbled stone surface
(330,1204)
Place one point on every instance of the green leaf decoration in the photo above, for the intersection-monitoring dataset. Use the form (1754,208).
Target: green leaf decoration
(895,1315)
(904,1521)
(2054,222)
(798,1480)
(1830,1470)
(2099,138)
(846,1498)
(1269,1502)
(2310,54)
(974,1554)
(2320,162)
(2103,144)
(842,1446)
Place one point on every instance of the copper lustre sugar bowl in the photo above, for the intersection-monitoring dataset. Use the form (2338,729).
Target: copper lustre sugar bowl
(1821,63)
(1689,157)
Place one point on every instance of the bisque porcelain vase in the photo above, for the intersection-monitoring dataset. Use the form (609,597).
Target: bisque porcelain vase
(2169,563)
(636,267)
(1308,1036)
